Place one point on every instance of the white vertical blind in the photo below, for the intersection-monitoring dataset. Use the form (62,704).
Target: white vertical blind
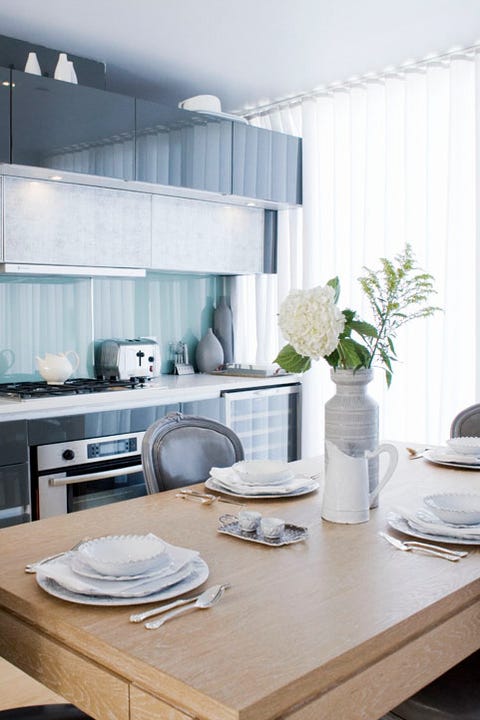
(388,160)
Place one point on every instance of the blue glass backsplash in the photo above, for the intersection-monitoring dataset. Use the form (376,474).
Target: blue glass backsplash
(50,314)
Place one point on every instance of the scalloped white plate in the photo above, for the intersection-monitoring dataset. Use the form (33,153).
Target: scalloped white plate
(397,522)
(198,576)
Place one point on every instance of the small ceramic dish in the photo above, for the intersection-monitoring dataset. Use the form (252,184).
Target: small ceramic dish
(455,508)
(263,472)
(124,555)
(465,445)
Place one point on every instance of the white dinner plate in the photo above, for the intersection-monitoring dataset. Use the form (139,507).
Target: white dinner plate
(440,458)
(178,558)
(211,484)
(59,569)
(198,576)
(397,522)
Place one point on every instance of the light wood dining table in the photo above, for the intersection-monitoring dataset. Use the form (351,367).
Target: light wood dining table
(339,625)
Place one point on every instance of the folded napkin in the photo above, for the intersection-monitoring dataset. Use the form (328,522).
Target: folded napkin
(452,457)
(229,479)
(429,524)
(60,569)
(231,475)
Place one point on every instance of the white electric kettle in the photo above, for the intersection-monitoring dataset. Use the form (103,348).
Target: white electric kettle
(55,369)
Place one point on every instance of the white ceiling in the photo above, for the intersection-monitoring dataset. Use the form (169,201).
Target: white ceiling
(247,52)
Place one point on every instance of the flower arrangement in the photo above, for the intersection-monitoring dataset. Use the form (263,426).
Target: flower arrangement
(315,327)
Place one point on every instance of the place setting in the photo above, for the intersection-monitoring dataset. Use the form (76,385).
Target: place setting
(121,570)
(459,452)
(260,479)
(450,517)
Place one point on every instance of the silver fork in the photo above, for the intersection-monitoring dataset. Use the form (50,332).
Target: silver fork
(31,567)
(140,617)
(426,548)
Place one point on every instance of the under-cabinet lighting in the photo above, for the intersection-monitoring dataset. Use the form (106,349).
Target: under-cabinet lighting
(56,177)
(6,83)
(251,204)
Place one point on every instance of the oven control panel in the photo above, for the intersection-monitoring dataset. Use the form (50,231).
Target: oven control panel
(112,448)
(80,452)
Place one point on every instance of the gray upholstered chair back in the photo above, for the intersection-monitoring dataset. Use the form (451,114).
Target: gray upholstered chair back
(180,450)
(466,423)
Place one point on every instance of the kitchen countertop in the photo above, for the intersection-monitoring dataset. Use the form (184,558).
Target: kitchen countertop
(162,391)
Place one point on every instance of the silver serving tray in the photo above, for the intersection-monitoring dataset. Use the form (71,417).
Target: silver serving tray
(291,534)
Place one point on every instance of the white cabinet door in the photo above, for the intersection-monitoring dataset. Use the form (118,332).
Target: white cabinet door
(201,236)
(47,222)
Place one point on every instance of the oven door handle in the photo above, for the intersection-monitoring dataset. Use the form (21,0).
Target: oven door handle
(56,481)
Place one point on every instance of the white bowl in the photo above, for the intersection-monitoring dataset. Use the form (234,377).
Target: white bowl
(455,508)
(124,554)
(465,445)
(263,472)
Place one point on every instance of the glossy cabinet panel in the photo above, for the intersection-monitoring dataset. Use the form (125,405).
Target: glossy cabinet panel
(182,148)
(266,165)
(14,475)
(196,236)
(13,448)
(14,495)
(4,115)
(65,126)
(62,223)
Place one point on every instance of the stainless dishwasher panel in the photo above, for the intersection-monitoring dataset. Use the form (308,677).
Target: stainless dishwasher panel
(267,421)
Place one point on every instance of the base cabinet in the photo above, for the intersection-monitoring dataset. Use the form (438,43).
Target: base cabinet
(15,504)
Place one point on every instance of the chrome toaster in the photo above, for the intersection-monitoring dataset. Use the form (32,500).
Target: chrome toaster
(125,359)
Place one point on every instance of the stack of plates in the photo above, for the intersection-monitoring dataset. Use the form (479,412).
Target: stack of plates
(98,574)
(260,479)
(451,458)
(424,524)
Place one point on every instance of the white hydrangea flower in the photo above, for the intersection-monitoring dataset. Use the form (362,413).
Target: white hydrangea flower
(311,321)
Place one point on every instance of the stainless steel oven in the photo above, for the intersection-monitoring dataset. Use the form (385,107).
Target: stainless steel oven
(76,475)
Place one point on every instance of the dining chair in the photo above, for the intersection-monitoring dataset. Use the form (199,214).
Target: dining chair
(455,695)
(180,450)
(466,423)
(52,711)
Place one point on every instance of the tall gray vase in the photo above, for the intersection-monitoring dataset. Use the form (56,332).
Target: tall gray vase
(209,353)
(223,328)
(351,418)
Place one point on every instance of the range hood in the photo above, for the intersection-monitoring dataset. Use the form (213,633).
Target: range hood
(76,270)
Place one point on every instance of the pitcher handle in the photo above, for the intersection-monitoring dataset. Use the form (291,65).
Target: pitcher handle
(77,359)
(392,451)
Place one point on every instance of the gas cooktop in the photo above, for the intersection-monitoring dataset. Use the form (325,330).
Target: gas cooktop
(77,386)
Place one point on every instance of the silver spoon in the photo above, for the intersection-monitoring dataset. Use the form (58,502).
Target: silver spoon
(140,617)
(206,600)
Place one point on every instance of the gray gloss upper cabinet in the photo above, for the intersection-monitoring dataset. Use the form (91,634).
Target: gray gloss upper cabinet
(66,224)
(65,126)
(4,115)
(266,165)
(182,148)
